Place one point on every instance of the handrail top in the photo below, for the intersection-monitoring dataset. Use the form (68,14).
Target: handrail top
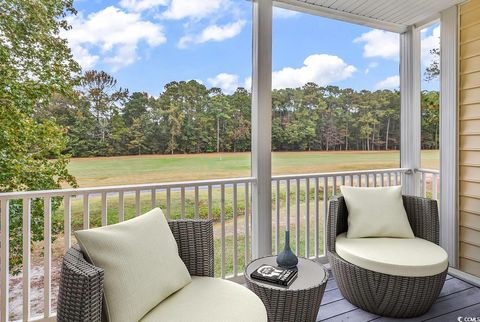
(122,188)
(424,170)
(336,174)
(192,184)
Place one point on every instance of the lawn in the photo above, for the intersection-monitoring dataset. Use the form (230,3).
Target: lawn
(162,168)
(94,172)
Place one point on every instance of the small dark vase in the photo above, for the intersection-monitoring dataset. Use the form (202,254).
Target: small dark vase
(286,258)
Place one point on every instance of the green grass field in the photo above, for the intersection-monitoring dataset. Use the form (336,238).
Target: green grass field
(93,172)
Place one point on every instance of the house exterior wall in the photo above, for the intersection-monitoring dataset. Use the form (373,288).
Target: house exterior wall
(469,137)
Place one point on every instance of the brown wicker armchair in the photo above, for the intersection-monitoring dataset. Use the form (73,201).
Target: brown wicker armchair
(81,284)
(378,293)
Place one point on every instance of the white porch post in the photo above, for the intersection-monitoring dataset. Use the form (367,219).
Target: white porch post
(262,129)
(448,135)
(410,115)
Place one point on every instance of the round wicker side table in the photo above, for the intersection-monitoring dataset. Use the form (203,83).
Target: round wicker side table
(298,302)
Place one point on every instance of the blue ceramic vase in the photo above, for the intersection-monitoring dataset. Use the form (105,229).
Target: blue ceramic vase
(286,258)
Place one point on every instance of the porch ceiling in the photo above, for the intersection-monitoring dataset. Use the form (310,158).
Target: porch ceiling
(391,15)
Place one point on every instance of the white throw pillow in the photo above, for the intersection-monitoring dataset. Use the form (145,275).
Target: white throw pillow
(140,261)
(376,212)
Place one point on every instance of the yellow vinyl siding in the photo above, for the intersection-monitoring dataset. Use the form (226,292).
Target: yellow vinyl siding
(470,173)
(471,111)
(469,137)
(470,252)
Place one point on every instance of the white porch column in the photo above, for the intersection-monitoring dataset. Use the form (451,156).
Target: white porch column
(410,117)
(448,135)
(262,129)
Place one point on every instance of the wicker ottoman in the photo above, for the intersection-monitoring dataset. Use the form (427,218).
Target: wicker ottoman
(300,301)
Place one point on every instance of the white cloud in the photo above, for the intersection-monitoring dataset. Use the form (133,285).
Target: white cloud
(322,69)
(213,33)
(248,83)
(379,43)
(83,57)
(428,43)
(371,66)
(141,5)
(227,82)
(195,9)
(392,82)
(284,13)
(115,34)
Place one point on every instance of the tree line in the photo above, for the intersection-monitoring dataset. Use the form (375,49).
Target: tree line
(103,119)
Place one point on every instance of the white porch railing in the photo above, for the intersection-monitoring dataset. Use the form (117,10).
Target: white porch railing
(299,199)
(429,183)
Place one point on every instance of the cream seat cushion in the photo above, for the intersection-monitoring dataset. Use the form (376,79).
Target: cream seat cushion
(140,261)
(208,299)
(393,256)
(376,212)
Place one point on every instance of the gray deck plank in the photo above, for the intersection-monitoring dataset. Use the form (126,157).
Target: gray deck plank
(334,308)
(458,298)
(331,285)
(452,286)
(357,315)
(331,296)
(471,311)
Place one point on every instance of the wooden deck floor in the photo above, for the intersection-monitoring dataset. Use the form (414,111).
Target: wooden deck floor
(458,298)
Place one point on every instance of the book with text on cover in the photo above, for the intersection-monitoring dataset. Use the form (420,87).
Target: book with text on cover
(274,275)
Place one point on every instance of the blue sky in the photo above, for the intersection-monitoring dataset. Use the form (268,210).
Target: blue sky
(148,43)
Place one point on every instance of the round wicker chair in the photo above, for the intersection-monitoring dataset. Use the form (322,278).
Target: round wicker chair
(378,293)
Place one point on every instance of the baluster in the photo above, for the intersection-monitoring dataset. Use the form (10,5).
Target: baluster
(196,202)
(307,217)
(434,186)
(182,202)
(153,198)
(234,201)
(222,222)
(317,215)
(169,205)
(47,256)
(287,206)
(247,226)
(297,217)
(86,211)
(423,185)
(5,259)
(277,216)
(67,222)
(325,208)
(121,206)
(209,202)
(104,209)
(137,203)
(26,223)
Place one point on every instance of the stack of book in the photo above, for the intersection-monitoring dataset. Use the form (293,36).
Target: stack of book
(275,275)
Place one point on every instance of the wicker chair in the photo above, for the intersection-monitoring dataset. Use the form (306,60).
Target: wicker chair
(81,284)
(378,293)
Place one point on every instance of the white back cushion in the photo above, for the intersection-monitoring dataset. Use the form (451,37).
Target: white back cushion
(141,263)
(376,212)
